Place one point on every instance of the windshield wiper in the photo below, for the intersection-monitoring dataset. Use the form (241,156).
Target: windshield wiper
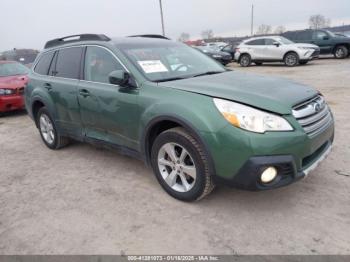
(169,79)
(209,73)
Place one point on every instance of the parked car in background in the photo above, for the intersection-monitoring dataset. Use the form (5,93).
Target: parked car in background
(23,56)
(230,48)
(193,121)
(274,49)
(13,79)
(216,45)
(215,52)
(328,42)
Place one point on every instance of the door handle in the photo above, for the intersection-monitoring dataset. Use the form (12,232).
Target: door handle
(48,86)
(84,92)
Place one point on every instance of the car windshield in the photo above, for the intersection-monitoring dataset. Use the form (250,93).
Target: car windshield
(284,40)
(10,69)
(170,61)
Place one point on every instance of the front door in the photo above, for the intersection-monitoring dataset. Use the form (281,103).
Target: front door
(108,112)
(323,40)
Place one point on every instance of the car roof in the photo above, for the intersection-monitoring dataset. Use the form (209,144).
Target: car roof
(132,41)
(261,37)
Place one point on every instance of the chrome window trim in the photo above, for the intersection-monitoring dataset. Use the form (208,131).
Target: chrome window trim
(83,80)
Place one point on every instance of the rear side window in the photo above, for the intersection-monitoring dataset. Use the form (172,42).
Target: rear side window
(256,42)
(304,35)
(68,62)
(42,67)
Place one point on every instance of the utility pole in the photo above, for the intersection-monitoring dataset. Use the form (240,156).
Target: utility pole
(161,16)
(252,22)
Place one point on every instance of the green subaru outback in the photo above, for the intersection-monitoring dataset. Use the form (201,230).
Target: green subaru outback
(196,123)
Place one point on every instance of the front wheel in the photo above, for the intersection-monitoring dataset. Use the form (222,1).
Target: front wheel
(291,59)
(181,165)
(48,131)
(341,52)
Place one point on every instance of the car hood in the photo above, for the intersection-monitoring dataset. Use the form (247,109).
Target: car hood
(269,93)
(306,45)
(13,81)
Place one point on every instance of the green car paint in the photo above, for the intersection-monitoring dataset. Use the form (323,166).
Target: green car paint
(124,116)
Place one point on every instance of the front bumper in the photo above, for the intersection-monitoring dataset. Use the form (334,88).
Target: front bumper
(240,156)
(309,55)
(248,177)
(11,102)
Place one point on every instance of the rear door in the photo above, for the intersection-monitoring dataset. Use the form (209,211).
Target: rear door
(256,48)
(62,88)
(108,112)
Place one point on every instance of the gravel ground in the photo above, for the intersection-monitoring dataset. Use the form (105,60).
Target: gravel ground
(84,200)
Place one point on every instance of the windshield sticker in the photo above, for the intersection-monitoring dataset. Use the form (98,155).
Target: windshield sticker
(152,66)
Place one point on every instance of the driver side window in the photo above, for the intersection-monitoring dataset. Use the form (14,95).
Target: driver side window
(320,35)
(99,63)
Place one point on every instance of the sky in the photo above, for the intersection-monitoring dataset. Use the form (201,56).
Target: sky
(30,23)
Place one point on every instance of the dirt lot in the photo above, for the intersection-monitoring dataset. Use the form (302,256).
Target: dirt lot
(83,200)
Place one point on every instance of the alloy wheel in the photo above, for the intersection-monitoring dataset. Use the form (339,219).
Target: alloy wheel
(177,167)
(47,129)
(340,53)
(291,60)
(245,61)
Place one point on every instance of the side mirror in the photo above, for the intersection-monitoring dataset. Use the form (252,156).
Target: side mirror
(119,77)
(276,44)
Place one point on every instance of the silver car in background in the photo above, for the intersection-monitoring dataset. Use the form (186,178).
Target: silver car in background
(274,49)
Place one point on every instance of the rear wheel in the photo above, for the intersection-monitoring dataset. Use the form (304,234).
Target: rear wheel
(341,52)
(291,59)
(245,60)
(181,165)
(48,130)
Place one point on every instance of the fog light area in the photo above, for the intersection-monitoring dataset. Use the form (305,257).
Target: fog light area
(268,175)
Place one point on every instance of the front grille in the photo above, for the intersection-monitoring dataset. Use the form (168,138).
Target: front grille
(313,115)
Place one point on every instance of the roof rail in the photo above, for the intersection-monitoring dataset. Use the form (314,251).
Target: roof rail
(75,38)
(151,36)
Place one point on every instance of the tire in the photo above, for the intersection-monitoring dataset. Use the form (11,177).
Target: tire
(303,62)
(291,59)
(245,60)
(48,131)
(258,63)
(341,52)
(173,173)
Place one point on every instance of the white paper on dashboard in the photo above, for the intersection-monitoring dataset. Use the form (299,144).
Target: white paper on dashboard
(152,66)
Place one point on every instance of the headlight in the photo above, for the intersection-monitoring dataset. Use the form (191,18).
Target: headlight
(4,92)
(251,119)
(217,56)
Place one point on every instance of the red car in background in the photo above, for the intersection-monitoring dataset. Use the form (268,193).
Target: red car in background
(13,79)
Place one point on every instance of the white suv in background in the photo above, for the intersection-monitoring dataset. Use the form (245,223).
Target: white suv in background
(274,49)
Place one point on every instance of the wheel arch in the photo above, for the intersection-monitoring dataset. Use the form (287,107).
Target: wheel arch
(160,124)
(35,107)
(347,45)
(290,52)
(244,53)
